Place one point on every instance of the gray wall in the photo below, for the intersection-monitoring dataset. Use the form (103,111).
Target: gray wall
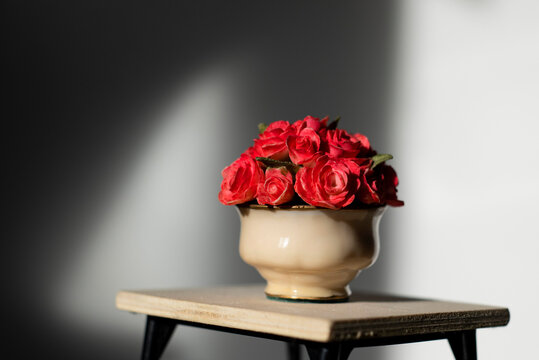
(121,116)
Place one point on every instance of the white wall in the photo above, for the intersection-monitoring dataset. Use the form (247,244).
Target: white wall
(466,125)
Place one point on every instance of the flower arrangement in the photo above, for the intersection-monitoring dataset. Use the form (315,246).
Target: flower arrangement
(312,162)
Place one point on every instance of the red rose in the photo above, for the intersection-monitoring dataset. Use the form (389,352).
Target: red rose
(277,188)
(240,181)
(303,147)
(251,152)
(379,186)
(311,122)
(365,148)
(341,144)
(272,142)
(331,182)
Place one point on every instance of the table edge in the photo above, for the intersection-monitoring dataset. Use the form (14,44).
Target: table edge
(307,328)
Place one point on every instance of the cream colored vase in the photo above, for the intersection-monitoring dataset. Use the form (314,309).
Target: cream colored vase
(307,253)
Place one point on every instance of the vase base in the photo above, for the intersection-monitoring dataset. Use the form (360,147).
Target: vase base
(326,300)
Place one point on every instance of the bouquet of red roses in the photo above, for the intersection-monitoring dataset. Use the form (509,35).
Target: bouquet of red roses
(310,161)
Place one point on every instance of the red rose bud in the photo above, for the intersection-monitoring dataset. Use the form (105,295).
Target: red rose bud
(343,145)
(310,122)
(331,182)
(240,181)
(303,147)
(272,142)
(379,186)
(277,188)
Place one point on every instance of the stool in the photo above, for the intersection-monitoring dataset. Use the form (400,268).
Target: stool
(328,331)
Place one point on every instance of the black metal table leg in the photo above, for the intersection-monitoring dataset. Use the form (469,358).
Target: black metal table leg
(293,351)
(159,330)
(464,345)
(330,351)
(156,337)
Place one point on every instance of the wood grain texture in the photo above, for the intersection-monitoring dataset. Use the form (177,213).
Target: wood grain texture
(364,316)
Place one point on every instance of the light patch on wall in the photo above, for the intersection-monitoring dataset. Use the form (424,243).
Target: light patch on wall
(165,216)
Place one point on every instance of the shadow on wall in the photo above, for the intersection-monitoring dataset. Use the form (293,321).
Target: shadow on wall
(124,115)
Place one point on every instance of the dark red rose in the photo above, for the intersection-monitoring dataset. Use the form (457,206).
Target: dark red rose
(240,181)
(277,188)
(379,186)
(330,182)
(303,147)
(272,142)
(343,145)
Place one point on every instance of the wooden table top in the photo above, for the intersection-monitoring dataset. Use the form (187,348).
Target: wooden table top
(364,316)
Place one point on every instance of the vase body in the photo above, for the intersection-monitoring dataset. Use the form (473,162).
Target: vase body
(309,253)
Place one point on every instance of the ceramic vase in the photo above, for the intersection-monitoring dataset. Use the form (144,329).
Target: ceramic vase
(307,253)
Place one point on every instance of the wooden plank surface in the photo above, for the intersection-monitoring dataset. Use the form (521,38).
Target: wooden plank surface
(364,316)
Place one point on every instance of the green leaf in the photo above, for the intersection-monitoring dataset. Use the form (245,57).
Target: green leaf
(379,159)
(262,127)
(278,163)
(333,125)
